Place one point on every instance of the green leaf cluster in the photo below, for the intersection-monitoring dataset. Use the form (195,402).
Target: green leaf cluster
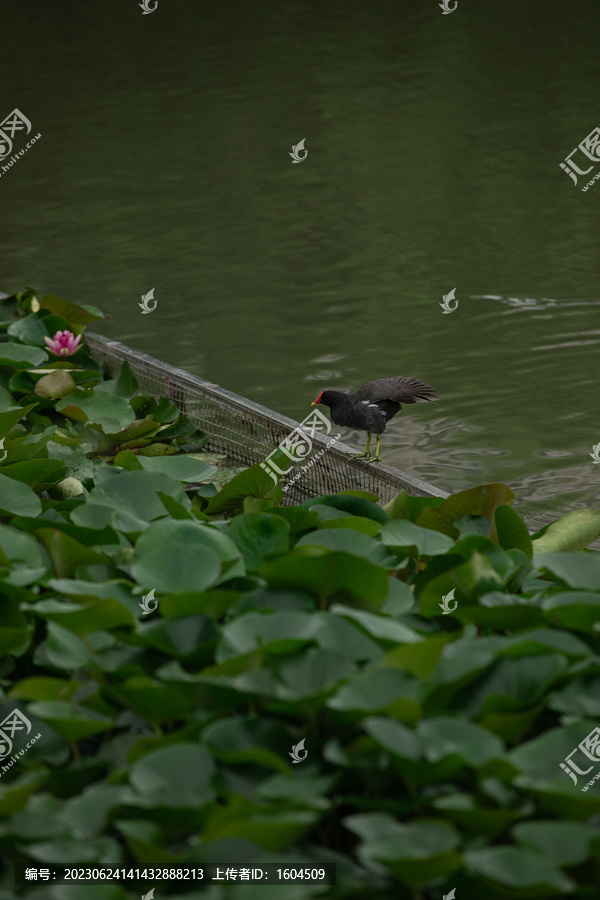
(434,740)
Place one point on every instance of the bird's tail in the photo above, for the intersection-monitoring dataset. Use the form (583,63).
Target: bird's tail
(414,390)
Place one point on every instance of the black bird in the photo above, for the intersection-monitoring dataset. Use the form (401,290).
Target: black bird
(372,406)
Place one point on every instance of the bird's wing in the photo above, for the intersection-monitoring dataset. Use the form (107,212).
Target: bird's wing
(398,389)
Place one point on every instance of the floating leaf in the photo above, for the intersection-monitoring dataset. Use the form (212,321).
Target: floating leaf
(417,853)
(573,531)
(20,356)
(18,498)
(350,541)
(577,570)
(477,501)
(184,556)
(11,415)
(57,384)
(404,506)
(513,868)
(258,536)
(66,553)
(254,482)
(74,313)
(176,776)
(333,575)
(414,540)
(110,411)
(511,531)
(181,468)
(69,720)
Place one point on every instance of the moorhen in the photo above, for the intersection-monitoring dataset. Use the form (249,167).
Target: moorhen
(372,406)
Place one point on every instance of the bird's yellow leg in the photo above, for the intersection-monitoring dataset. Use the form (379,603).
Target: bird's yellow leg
(376,457)
(366,454)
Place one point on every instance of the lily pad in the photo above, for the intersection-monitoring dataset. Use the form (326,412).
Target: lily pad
(110,411)
(20,356)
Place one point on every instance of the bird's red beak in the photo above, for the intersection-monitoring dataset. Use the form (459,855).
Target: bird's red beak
(318,400)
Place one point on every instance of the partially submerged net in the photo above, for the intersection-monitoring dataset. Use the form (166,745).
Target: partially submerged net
(248,432)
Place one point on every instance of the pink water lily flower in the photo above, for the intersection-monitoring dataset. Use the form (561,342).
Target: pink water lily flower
(63,343)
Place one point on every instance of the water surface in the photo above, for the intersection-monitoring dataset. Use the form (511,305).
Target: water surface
(434,145)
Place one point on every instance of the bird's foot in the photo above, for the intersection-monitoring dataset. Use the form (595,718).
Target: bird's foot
(366,457)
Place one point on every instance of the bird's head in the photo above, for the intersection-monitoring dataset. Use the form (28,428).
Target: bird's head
(329,398)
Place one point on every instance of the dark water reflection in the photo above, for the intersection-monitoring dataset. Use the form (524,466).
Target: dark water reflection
(434,145)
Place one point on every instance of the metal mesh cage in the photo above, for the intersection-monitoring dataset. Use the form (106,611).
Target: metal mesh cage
(248,432)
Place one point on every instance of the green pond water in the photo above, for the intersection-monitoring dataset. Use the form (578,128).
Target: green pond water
(434,148)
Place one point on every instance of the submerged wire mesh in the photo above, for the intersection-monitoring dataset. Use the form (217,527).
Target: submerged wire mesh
(248,432)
